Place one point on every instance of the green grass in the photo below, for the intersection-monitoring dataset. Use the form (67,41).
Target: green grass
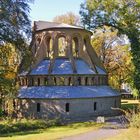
(53,133)
(36,130)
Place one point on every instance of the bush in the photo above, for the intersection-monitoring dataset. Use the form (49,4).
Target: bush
(26,125)
(135,121)
(133,116)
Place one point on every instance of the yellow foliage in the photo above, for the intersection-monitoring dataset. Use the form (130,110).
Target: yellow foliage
(9,61)
(116,57)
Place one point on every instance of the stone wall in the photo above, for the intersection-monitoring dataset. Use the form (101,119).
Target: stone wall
(78,108)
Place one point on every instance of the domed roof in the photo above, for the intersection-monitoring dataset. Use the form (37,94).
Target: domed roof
(42,25)
(64,66)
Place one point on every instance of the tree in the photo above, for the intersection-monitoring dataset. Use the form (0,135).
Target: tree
(14,23)
(122,15)
(15,29)
(68,18)
(115,54)
(9,61)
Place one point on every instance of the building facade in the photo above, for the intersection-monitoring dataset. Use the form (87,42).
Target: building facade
(66,78)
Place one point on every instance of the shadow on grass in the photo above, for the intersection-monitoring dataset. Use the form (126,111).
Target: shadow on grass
(9,128)
(22,133)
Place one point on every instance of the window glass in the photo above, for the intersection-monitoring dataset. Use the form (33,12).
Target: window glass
(67,107)
(95,106)
(38,107)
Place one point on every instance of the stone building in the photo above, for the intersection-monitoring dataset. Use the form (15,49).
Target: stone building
(66,78)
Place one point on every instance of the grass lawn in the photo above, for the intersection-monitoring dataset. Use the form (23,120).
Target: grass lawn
(55,132)
(129,134)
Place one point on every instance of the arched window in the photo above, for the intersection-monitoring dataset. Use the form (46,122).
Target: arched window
(67,107)
(84,47)
(49,49)
(38,107)
(95,106)
(75,47)
(38,41)
(62,46)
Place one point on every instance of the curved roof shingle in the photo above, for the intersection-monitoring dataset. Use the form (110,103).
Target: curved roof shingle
(63,66)
(41,25)
(57,92)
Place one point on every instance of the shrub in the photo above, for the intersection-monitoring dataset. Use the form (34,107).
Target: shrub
(135,121)
(133,116)
(26,125)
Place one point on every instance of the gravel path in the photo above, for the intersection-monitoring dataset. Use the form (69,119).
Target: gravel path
(95,135)
(113,128)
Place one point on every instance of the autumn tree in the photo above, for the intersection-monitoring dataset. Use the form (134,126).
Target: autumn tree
(68,18)
(115,54)
(122,15)
(9,61)
(15,29)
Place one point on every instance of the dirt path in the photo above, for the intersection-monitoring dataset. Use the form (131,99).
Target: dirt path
(114,127)
(95,135)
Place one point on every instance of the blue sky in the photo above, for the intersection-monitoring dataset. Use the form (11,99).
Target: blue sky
(48,9)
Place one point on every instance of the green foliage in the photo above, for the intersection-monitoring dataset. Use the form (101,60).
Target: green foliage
(131,110)
(9,61)
(14,23)
(115,55)
(135,121)
(15,27)
(15,30)
(135,92)
(1,112)
(54,132)
(129,104)
(121,15)
(68,18)
(25,125)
